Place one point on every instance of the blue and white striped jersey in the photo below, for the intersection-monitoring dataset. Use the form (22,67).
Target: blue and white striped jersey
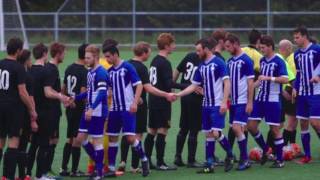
(97,79)
(240,69)
(307,62)
(210,74)
(274,67)
(123,78)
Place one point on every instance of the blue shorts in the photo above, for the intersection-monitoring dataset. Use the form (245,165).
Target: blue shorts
(212,119)
(238,114)
(94,127)
(308,107)
(121,120)
(270,111)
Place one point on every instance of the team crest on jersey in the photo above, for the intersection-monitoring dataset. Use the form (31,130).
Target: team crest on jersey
(122,73)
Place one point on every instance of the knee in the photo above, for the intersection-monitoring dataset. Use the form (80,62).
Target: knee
(304,124)
(113,139)
(130,139)
(152,131)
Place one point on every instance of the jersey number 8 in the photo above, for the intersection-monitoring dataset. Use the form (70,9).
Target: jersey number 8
(4,80)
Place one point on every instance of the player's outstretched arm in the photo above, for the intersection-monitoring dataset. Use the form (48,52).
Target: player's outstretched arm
(190,89)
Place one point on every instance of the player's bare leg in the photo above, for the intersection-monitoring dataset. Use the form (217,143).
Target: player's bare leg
(254,131)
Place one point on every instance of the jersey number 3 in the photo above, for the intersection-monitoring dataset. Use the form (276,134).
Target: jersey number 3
(71,84)
(4,80)
(153,75)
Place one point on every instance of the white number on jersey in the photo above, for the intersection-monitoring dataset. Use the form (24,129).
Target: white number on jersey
(4,80)
(71,84)
(153,75)
(191,69)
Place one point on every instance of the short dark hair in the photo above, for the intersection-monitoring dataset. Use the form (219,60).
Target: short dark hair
(232,38)
(56,48)
(302,30)
(113,50)
(267,40)
(254,36)
(82,50)
(209,43)
(109,42)
(39,50)
(14,44)
(24,56)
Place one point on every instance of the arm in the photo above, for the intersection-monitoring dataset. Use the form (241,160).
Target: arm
(102,96)
(175,75)
(64,89)
(137,94)
(26,100)
(52,94)
(226,94)
(250,96)
(190,89)
(154,91)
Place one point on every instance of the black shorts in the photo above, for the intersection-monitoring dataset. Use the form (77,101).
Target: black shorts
(73,119)
(48,122)
(160,118)
(288,107)
(191,110)
(141,119)
(11,120)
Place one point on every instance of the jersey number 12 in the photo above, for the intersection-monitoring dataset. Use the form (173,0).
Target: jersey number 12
(71,84)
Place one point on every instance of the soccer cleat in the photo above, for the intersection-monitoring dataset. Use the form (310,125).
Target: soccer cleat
(228,164)
(206,170)
(145,168)
(122,166)
(105,169)
(243,165)
(110,174)
(194,165)
(64,172)
(90,169)
(45,177)
(96,178)
(277,164)
(264,158)
(178,161)
(78,174)
(304,160)
(27,177)
(165,167)
(3,178)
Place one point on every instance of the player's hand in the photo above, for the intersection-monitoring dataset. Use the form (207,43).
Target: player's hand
(88,114)
(223,108)
(294,95)
(171,97)
(199,90)
(249,108)
(34,126)
(264,78)
(315,79)
(33,115)
(140,101)
(133,107)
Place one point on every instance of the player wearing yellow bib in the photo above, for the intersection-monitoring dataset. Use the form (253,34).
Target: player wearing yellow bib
(252,50)
(103,61)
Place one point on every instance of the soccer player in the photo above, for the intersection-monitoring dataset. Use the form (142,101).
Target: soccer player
(289,107)
(75,82)
(40,53)
(252,50)
(273,73)
(13,96)
(241,72)
(25,59)
(219,35)
(190,116)
(125,100)
(159,107)
(142,52)
(96,110)
(213,76)
(306,90)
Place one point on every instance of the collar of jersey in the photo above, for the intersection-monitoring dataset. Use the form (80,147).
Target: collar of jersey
(268,60)
(305,49)
(208,61)
(119,65)
(237,57)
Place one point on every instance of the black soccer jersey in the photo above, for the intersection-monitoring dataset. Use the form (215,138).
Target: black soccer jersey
(160,77)
(52,79)
(12,74)
(29,83)
(75,77)
(142,71)
(38,74)
(188,66)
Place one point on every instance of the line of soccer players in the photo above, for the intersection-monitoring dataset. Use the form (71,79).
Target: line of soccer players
(251,85)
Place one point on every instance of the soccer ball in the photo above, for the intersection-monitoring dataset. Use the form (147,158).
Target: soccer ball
(255,154)
(296,149)
(288,153)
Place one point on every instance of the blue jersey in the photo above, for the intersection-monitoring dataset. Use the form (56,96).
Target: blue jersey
(307,62)
(123,78)
(210,75)
(240,69)
(274,67)
(97,79)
